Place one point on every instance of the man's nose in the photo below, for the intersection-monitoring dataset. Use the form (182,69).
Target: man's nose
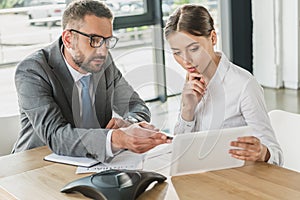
(102,50)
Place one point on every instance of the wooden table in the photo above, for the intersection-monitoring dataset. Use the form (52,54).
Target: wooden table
(27,176)
(257,180)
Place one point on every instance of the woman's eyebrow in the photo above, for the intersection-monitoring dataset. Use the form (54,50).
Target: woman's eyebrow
(186,46)
(191,44)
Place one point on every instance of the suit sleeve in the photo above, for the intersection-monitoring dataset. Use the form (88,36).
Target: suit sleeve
(125,100)
(42,120)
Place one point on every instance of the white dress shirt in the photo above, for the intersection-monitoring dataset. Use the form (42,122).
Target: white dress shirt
(233,98)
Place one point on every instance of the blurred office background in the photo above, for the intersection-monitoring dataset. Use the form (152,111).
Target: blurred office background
(261,36)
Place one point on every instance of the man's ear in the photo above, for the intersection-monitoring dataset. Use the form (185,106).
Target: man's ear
(67,38)
(213,36)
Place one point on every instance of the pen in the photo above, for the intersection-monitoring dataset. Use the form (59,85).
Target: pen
(169,137)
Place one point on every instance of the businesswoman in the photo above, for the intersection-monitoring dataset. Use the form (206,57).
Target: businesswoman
(218,94)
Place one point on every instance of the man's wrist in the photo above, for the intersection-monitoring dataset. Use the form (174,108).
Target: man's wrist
(131,119)
(116,141)
(111,149)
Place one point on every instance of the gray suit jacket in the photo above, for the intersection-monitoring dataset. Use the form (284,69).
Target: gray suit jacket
(49,105)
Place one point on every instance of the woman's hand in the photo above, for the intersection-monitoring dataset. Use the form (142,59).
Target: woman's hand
(192,93)
(250,149)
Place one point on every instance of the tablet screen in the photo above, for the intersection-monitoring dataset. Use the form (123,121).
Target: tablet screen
(206,150)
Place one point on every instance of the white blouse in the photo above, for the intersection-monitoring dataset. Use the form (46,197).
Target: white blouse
(233,98)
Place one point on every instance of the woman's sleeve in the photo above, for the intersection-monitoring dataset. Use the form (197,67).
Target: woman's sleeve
(254,110)
(183,126)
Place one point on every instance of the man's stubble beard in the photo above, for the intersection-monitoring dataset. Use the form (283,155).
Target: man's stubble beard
(79,60)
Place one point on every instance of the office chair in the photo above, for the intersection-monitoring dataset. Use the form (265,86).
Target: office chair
(286,126)
(9,130)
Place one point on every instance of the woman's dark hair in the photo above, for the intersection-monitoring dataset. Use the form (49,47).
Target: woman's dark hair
(194,19)
(77,10)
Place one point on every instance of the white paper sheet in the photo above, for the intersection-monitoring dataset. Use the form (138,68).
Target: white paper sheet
(125,160)
(159,150)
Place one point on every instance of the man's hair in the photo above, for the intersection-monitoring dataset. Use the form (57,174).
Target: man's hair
(78,9)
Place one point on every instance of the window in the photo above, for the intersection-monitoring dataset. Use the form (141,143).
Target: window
(141,54)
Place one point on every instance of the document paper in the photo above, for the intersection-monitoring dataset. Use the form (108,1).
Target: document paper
(125,160)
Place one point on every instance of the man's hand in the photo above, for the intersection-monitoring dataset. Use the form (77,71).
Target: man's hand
(251,149)
(116,123)
(138,138)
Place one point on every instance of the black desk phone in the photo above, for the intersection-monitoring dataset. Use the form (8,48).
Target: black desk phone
(114,184)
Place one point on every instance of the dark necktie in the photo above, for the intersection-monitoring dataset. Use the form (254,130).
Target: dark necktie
(88,116)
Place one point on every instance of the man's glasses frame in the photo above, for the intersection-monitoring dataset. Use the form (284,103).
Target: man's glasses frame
(97,41)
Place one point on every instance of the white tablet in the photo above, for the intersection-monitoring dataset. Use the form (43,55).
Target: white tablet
(205,151)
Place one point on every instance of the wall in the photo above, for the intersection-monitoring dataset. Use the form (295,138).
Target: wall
(276,43)
(290,43)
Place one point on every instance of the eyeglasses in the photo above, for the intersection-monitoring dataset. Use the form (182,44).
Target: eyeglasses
(97,41)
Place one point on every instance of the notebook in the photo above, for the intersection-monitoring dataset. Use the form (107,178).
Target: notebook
(78,161)
(205,151)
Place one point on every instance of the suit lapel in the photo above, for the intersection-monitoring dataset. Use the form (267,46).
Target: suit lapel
(100,97)
(104,92)
(60,70)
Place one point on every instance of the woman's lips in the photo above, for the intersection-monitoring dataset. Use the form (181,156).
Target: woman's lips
(192,69)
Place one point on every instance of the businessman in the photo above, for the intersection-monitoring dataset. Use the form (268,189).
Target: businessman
(69,90)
